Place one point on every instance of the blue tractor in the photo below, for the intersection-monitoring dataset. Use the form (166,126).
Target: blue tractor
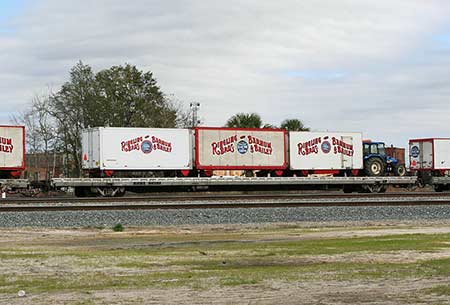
(377,163)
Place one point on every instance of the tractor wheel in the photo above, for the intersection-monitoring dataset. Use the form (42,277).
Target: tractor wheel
(400,170)
(374,167)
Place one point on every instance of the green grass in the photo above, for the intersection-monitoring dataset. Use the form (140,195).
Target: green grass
(442,290)
(202,261)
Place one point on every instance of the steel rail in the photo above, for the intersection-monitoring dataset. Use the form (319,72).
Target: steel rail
(173,206)
(213,196)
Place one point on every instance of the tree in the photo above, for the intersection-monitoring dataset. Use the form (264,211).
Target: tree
(121,96)
(270,126)
(245,120)
(293,125)
(76,106)
(41,131)
(130,97)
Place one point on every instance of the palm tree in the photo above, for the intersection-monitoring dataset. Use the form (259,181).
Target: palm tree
(293,125)
(269,126)
(245,120)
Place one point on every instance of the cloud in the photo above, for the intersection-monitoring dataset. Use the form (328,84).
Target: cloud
(376,67)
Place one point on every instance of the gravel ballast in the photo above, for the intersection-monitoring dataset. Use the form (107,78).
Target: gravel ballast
(221,216)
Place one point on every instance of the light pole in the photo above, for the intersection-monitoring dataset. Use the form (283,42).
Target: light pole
(194,108)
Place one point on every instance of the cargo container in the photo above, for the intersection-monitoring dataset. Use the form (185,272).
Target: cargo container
(12,150)
(240,148)
(325,150)
(114,148)
(429,154)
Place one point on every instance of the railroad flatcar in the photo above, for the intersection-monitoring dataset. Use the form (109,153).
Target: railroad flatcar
(12,151)
(285,159)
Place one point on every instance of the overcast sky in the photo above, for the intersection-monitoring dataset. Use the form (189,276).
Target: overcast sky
(379,67)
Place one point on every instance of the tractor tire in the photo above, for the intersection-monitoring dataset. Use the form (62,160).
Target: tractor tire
(374,167)
(400,170)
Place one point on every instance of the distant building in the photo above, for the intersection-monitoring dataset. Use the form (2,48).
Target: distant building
(41,166)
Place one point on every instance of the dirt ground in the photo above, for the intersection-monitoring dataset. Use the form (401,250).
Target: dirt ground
(34,252)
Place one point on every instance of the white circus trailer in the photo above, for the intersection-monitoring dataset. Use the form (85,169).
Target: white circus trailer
(240,148)
(12,148)
(325,150)
(114,148)
(429,154)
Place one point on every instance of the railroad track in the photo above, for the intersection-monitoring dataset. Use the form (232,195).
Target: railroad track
(228,201)
(211,196)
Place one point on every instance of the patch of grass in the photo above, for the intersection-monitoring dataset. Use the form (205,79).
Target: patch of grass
(203,263)
(443,290)
(237,281)
(118,228)
(23,254)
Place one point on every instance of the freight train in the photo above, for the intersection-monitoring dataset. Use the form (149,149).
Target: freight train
(119,159)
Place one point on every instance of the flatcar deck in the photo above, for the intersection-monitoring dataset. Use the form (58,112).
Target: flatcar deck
(14,183)
(231,181)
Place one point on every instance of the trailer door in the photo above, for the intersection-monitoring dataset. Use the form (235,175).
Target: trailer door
(346,160)
(421,154)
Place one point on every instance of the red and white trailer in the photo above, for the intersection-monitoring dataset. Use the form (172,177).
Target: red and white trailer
(240,149)
(430,159)
(12,151)
(432,154)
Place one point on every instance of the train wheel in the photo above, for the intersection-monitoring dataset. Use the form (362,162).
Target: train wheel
(348,189)
(438,188)
(80,191)
(374,188)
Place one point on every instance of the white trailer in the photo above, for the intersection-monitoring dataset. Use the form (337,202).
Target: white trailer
(114,148)
(325,150)
(240,148)
(430,160)
(12,149)
(429,154)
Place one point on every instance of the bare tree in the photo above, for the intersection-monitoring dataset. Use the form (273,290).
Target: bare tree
(41,131)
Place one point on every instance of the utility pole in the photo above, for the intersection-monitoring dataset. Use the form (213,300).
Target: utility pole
(194,108)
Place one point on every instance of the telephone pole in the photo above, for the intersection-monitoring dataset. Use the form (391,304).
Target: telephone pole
(195,107)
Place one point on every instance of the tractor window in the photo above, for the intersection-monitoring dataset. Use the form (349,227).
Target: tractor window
(373,149)
(366,149)
(381,149)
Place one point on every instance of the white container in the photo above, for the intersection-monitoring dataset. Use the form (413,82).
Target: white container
(240,148)
(114,148)
(325,150)
(429,154)
(12,148)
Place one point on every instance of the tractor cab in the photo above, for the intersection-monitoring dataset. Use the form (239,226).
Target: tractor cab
(374,148)
(378,163)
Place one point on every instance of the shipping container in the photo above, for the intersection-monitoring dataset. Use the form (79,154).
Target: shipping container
(325,150)
(429,154)
(240,148)
(12,148)
(114,148)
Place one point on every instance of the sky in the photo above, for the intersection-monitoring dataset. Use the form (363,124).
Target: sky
(378,67)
